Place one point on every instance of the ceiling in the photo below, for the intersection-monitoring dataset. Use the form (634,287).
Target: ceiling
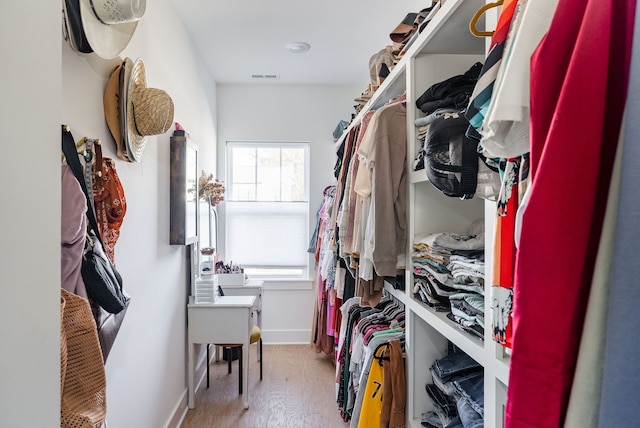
(240,38)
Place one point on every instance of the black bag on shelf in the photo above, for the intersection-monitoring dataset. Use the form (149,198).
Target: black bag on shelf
(451,158)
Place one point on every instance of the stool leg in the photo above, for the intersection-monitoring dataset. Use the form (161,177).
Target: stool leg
(260,344)
(207,362)
(229,359)
(240,373)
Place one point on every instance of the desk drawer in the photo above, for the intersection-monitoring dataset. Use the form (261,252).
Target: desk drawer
(245,291)
(219,324)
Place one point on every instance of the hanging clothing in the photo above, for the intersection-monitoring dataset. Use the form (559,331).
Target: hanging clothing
(394,388)
(505,130)
(372,402)
(481,96)
(578,88)
(110,206)
(504,252)
(73,233)
(621,347)
(348,225)
(584,404)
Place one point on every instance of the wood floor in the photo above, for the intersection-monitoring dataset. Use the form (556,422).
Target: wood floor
(297,391)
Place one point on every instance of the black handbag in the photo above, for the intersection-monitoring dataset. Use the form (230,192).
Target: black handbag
(101,279)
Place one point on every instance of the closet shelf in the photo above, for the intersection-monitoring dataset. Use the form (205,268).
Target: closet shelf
(443,325)
(501,369)
(443,49)
(414,423)
(398,294)
(392,87)
(419,176)
(448,32)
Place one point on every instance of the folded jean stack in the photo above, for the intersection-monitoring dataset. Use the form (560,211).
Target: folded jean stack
(457,392)
(448,275)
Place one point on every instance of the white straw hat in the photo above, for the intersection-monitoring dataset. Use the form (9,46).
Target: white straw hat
(133,111)
(109,24)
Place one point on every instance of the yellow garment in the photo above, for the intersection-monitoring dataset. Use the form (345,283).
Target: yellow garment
(372,402)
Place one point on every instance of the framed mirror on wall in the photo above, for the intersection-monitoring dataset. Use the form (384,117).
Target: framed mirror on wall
(183,190)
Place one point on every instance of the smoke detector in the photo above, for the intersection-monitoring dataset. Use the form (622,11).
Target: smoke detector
(298,47)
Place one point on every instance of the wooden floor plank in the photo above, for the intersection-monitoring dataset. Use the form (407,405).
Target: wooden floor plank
(297,391)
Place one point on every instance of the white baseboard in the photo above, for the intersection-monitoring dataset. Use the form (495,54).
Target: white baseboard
(180,410)
(286,337)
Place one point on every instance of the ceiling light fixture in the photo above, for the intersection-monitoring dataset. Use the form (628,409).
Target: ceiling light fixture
(298,47)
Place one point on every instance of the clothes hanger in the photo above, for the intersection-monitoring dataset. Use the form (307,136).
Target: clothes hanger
(476,17)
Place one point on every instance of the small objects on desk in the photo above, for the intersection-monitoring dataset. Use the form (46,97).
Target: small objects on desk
(221,267)
(208,260)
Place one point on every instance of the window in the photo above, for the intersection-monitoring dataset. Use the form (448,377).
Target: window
(267,208)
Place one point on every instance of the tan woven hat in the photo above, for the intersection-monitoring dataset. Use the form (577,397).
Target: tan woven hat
(136,110)
(111,102)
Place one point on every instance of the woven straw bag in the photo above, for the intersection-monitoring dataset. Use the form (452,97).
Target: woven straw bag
(82,381)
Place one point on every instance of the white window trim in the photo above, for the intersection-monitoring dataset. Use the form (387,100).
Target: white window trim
(278,283)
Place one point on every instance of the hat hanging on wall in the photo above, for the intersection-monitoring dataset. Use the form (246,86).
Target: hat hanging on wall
(109,24)
(72,27)
(133,111)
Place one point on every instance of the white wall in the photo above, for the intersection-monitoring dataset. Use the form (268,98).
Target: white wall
(30,215)
(146,367)
(286,113)
(44,83)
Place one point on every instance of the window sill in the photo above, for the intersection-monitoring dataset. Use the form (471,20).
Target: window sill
(286,283)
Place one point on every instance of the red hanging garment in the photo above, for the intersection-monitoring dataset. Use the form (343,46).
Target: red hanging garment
(579,78)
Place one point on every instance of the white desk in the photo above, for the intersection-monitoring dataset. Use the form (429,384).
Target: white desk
(253,287)
(228,320)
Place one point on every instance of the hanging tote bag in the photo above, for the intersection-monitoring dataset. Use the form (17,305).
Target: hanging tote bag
(83,386)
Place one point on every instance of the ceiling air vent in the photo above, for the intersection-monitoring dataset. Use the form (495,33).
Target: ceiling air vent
(265,76)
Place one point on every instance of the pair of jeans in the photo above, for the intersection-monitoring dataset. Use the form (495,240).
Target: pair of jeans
(442,403)
(455,423)
(455,363)
(430,420)
(471,389)
(468,416)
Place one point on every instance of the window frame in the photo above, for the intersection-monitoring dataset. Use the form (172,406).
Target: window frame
(306,146)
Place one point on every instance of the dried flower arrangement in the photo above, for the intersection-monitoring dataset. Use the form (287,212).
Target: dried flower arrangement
(210,189)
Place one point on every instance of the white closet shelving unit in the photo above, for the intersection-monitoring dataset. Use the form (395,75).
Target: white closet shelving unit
(445,48)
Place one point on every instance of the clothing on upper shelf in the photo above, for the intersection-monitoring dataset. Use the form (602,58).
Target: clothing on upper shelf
(448,276)
(453,92)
